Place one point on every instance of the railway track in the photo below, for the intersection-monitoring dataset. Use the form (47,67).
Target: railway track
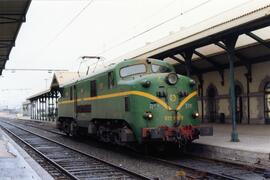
(219,169)
(198,168)
(73,163)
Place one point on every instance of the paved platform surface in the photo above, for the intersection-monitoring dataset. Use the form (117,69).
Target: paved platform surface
(254,145)
(15,163)
(254,138)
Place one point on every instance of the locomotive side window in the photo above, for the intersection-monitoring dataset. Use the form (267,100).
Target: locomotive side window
(132,70)
(70,93)
(93,87)
(110,80)
(160,69)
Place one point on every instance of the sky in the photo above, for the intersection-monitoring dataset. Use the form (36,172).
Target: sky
(58,32)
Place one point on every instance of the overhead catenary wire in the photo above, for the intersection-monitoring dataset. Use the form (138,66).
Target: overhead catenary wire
(154,27)
(25,69)
(70,22)
(166,21)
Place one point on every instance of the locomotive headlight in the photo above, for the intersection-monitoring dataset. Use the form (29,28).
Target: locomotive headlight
(192,83)
(146,83)
(148,115)
(172,78)
(195,115)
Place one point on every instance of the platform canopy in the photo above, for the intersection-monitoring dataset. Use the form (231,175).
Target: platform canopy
(12,15)
(250,23)
(58,81)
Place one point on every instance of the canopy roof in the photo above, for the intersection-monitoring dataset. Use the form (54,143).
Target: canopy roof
(12,15)
(250,22)
(59,79)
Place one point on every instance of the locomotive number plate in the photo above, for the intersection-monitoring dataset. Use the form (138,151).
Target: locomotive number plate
(173,118)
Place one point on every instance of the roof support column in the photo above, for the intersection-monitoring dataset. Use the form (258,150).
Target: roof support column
(201,81)
(249,80)
(230,46)
(187,55)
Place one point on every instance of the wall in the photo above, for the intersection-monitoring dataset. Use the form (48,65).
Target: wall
(260,75)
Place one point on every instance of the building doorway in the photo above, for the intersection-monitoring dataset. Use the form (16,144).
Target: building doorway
(212,105)
(267,103)
(239,103)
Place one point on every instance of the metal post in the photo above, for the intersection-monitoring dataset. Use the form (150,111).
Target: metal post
(34,109)
(201,95)
(53,104)
(56,103)
(31,110)
(249,79)
(202,103)
(187,55)
(46,108)
(38,109)
(43,108)
(39,101)
(248,103)
(230,45)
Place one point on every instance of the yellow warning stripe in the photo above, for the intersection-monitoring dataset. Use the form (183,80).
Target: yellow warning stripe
(181,104)
(138,93)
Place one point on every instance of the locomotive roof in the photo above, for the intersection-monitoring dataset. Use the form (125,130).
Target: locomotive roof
(106,69)
(92,74)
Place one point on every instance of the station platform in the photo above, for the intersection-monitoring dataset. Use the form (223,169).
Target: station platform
(15,163)
(253,147)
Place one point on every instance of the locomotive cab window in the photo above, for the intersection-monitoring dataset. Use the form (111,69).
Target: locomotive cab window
(110,80)
(160,69)
(132,70)
(93,88)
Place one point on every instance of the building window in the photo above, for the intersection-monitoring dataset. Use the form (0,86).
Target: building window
(267,100)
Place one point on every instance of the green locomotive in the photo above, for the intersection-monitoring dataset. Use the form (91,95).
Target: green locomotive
(134,101)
